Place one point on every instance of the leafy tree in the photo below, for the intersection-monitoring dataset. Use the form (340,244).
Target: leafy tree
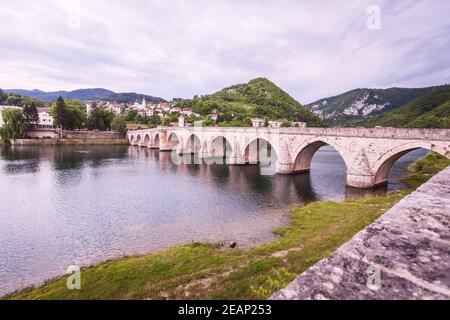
(31,114)
(70,114)
(119,124)
(131,116)
(154,121)
(59,112)
(14,124)
(166,121)
(3,96)
(99,119)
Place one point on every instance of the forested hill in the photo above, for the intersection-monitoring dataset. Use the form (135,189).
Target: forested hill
(428,111)
(15,99)
(356,107)
(259,98)
(86,95)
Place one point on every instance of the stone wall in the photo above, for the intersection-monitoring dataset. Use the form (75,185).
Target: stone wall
(403,255)
(67,142)
(54,134)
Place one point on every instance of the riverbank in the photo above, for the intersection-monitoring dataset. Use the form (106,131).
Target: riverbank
(211,271)
(68,142)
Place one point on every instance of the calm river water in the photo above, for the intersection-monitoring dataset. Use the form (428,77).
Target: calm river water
(63,206)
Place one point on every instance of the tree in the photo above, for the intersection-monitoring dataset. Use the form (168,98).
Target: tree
(31,114)
(119,124)
(3,96)
(166,121)
(99,119)
(131,115)
(154,121)
(59,113)
(14,124)
(74,114)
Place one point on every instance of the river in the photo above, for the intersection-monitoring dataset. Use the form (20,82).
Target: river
(78,205)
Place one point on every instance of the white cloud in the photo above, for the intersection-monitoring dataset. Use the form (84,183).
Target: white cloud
(181,48)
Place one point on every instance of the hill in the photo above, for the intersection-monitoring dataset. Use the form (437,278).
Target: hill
(356,107)
(130,97)
(85,95)
(431,110)
(258,98)
(15,99)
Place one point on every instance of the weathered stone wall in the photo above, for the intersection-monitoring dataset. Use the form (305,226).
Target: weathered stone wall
(54,134)
(61,142)
(403,255)
(368,153)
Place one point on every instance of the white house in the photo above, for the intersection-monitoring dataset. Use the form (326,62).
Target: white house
(275,124)
(257,123)
(45,119)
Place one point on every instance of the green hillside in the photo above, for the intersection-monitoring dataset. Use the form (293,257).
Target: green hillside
(258,98)
(429,111)
(356,107)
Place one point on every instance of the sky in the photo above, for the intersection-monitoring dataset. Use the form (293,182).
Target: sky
(179,48)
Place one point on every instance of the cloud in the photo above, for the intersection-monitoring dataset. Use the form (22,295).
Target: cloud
(179,48)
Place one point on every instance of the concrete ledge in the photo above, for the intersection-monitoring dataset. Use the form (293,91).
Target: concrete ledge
(409,247)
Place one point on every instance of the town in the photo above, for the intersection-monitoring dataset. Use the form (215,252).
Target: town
(140,115)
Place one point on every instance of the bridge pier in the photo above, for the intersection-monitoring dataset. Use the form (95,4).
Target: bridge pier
(360,181)
(285,168)
(236,161)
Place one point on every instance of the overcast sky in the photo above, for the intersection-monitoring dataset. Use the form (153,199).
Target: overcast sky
(170,48)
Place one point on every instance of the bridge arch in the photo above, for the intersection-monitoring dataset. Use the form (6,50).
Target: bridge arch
(156,142)
(138,139)
(193,144)
(173,140)
(304,154)
(220,147)
(384,163)
(130,139)
(147,140)
(258,147)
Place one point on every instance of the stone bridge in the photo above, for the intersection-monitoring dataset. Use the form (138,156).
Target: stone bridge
(368,153)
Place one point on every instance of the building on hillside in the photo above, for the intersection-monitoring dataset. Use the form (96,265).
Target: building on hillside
(115,108)
(214,115)
(187,112)
(258,123)
(175,110)
(299,124)
(275,124)
(149,112)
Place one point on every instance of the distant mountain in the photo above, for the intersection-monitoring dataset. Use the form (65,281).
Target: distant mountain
(258,98)
(358,106)
(130,97)
(431,110)
(85,95)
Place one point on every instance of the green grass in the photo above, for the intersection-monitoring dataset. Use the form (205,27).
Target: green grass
(207,271)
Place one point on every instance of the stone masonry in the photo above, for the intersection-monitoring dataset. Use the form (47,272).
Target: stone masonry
(369,153)
(405,254)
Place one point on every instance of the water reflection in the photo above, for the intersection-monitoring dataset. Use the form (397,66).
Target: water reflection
(82,204)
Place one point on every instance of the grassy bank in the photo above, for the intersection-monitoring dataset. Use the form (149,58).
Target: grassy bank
(210,271)
(69,142)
